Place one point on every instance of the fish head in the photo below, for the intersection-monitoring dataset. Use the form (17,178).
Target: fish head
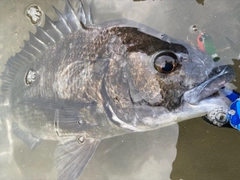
(168,78)
(168,81)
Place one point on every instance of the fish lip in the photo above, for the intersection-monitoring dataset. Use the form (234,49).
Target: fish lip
(217,79)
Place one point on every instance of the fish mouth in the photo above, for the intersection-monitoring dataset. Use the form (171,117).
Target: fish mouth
(217,79)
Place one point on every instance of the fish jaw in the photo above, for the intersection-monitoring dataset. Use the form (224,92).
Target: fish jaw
(216,80)
(190,111)
(185,112)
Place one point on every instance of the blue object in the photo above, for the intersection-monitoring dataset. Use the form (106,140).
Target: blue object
(233,114)
(230,94)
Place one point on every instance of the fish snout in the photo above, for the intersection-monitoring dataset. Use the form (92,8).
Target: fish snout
(223,70)
(217,79)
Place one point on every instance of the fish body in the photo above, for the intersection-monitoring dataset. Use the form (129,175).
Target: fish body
(79,83)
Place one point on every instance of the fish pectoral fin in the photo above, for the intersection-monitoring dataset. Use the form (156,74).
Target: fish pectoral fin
(72,155)
(25,136)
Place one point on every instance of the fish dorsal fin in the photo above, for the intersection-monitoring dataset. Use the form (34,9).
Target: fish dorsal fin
(70,21)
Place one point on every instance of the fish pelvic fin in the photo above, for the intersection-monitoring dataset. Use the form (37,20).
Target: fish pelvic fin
(72,156)
(75,17)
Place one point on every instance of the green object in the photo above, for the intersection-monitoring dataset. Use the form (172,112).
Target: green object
(206,44)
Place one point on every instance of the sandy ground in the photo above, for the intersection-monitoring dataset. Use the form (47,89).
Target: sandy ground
(192,150)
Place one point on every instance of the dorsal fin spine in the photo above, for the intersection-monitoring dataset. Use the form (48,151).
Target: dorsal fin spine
(22,59)
(15,62)
(41,45)
(51,40)
(27,54)
(56,28)
(52,30)
(30,48)
(81,13)
(63,20)
(71,17)
(35,48)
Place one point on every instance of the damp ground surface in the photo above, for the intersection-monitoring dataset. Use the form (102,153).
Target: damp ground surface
(191,150)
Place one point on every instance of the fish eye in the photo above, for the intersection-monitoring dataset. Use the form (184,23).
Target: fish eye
(200,39)
(165,62)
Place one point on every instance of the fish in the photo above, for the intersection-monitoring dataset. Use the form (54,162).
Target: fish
(78,83)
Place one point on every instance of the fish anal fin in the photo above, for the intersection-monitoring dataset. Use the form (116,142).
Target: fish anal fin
(25,136)
(72,155)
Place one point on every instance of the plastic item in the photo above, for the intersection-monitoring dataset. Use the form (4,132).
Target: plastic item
(205,43)
(234,111)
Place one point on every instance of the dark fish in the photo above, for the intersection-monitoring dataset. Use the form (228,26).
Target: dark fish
(79,83)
